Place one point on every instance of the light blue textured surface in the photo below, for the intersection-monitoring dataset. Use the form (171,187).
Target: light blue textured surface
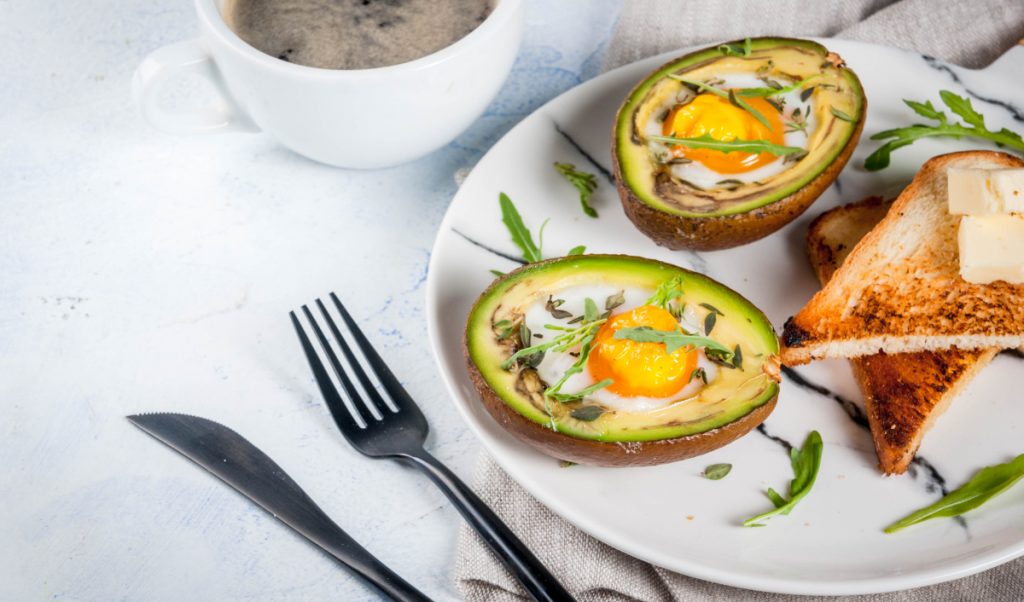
(145,272)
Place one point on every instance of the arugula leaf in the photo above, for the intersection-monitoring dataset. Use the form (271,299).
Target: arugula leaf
(746,146)
(983,486)
(520,234)
(805,462)
(973,126)
(961,105)
(739,102)
(585,183)
(673,339)
(926,110)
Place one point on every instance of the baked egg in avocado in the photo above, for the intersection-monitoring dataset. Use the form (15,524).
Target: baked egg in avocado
(617,360)
(725,145)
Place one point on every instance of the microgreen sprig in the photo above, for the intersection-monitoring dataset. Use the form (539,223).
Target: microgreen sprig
(973,126)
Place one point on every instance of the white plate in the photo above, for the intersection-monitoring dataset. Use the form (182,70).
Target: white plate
(833,542)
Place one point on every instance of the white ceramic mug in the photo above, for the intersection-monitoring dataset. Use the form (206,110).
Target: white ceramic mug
(363,118)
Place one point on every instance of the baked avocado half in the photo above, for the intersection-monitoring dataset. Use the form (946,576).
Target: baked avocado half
(617,360)
(686,172)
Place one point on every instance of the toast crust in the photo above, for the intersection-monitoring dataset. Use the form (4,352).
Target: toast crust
(903,393)
(900,290)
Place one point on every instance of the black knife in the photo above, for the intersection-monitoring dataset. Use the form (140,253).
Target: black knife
(238,463)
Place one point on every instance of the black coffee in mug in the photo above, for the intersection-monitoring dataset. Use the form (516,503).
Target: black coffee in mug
(353,34)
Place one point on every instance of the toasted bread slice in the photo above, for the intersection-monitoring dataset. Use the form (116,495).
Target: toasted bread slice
(903,393)
(900,289)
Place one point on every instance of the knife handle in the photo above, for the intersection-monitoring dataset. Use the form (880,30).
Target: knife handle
(527,568)
(332,539)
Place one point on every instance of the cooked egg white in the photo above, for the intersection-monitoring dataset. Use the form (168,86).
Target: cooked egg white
(555,364)
(794,108)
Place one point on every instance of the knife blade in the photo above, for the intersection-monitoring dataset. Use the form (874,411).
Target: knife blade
(232,459)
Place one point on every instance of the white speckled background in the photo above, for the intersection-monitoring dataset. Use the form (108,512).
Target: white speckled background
(144,272)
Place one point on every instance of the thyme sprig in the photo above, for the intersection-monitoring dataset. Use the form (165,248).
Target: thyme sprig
(973,126)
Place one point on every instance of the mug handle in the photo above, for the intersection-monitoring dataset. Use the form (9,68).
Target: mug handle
(175,60)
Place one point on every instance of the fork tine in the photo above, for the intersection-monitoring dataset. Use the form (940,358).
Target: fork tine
(391,385)
(378,402)
(343,413)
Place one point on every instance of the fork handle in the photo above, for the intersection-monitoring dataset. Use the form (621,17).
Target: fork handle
(534,576)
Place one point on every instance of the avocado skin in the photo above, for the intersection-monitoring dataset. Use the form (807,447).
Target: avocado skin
(605,453)
(614,454)
(716,232)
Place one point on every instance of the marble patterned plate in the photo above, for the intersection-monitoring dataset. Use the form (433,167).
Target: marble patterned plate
(669,515)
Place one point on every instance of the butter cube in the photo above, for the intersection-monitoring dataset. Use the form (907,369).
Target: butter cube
(985,191)
(992,248)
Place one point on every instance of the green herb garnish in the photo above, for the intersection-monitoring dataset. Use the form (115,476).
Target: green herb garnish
(717,471)
(614,300)
(520,234)
(805,461)
(709,322)
(585,183)
(578,395)
(673,339)
(736,49)
(711,318)
(577,250)
(667,292)
(587,413)
(746,146)
(744,92)
(973,127)
(739,102)
(983,486)
(737,357)
(841,115)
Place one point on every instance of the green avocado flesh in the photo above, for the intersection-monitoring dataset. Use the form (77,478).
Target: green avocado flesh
(730,395)
(838,106)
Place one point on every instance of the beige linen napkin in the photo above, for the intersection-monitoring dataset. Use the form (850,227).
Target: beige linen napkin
(968,32)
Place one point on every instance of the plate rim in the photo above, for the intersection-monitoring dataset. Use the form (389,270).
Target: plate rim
(684,566)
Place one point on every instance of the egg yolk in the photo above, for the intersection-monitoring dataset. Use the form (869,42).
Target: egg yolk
(722,120)
(640,369)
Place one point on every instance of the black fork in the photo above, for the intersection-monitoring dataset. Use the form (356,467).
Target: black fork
(397,431)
